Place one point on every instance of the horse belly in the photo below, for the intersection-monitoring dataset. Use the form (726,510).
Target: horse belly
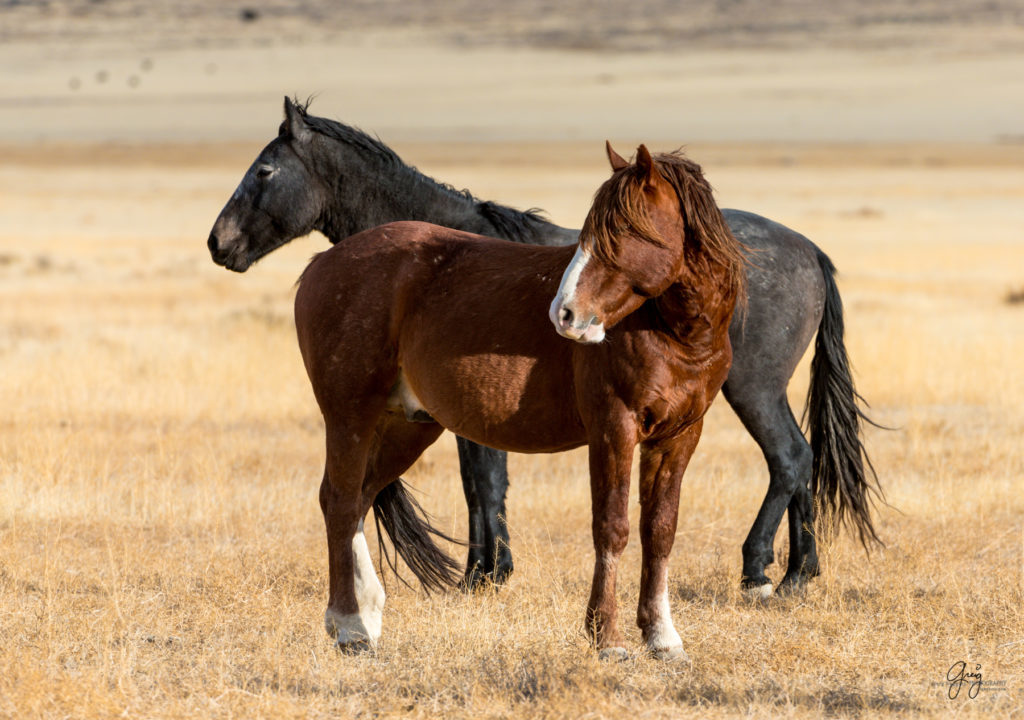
(503,401)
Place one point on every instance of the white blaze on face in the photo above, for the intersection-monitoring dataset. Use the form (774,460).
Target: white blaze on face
(571,277)
(364,626)
(566,298)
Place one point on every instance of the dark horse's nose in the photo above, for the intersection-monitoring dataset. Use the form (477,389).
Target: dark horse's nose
(213,244)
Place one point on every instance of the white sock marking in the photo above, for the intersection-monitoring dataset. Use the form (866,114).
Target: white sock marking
(369,591)
(662,635)
(365,625)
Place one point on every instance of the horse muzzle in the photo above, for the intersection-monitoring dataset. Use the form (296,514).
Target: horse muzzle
(226,246)
(569,324)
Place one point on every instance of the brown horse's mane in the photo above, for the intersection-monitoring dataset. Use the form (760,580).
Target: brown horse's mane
(619,204)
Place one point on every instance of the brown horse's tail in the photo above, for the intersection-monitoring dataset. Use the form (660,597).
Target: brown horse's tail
(843,481)
(412,536)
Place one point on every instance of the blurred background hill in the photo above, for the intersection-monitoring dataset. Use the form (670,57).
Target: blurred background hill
(890,71)
(605,25)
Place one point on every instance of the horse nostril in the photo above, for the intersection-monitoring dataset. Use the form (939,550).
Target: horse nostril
(212,243)
(565,316)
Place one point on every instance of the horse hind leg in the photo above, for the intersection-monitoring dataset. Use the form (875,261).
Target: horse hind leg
(359,631)
(803,552)
(347,620)
(356,464)
(485,483)
(771,423)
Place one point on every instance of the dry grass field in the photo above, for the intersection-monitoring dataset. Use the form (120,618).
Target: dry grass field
(162,553)
(161,548)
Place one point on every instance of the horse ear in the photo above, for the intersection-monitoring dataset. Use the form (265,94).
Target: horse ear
(645,162)
(294,121)
(616,160)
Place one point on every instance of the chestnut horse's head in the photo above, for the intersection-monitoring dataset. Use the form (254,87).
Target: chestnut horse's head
(648,221)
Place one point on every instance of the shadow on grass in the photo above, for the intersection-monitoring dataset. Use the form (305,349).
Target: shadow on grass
(838,702)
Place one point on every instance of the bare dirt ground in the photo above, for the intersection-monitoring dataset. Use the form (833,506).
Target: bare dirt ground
(161,549)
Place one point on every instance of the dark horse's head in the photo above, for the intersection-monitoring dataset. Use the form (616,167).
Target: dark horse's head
(279,199)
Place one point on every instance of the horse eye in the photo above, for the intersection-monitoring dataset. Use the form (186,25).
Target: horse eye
(264,171)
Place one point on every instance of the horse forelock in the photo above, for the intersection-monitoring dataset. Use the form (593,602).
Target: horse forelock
(620,204)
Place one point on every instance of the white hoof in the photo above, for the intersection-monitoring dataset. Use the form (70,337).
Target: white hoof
(349,632)
(613,654)
(759,592)
(674,654)
(354,647)
(661,638)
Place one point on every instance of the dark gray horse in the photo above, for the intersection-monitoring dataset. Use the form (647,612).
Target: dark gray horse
(322,175)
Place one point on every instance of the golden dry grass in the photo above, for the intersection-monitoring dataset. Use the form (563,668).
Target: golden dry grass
(161,549)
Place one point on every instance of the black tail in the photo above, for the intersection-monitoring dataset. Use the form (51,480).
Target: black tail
(840,482)
(407,527)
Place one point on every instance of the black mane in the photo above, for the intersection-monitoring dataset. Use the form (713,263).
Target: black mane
(518,225)
(521,225)
(348,135)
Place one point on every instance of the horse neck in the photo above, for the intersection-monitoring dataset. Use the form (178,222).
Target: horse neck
(698,306)
(367,191)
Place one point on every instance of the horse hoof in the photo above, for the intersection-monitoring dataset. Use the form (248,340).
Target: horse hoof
(502,572)
(359,646)
(674,654)
(613,654)
(476,579)
(478,583)
(791,589)
(472,582)
(758,592)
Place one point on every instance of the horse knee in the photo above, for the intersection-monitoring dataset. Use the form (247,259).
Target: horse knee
(611,538)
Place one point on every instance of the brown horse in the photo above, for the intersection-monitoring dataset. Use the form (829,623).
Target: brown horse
(410,328)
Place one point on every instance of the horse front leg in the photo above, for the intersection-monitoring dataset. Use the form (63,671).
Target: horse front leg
(611,457)
(352,627)
(662,465)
